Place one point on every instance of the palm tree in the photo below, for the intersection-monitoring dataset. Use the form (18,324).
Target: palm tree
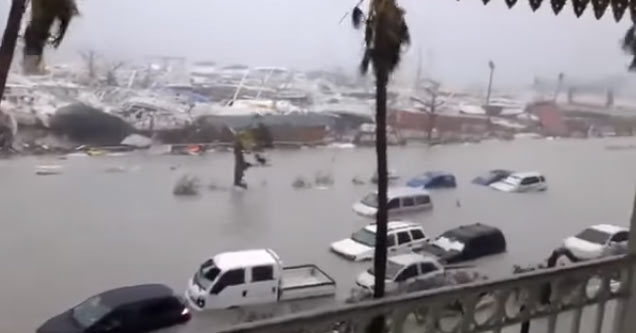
(45,14)
(385,32)
(9,40)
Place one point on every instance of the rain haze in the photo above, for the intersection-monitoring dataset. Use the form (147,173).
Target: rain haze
(455,39)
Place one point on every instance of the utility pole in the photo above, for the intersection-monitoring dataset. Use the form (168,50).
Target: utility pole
(491,65)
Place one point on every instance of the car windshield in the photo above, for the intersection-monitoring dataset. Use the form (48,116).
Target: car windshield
(449,244)
(392,269)
(512,180)
(371,200)
(364,236)
(90,311)
(594,236)
(206,274)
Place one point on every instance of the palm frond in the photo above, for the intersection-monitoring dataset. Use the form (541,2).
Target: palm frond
(629,46)
(356,17)
(47,15)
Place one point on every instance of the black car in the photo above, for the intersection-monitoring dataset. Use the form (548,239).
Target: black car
(133,309)
(467,242)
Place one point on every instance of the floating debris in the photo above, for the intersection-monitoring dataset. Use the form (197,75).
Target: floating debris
(187,185)
(215,187)
(357,181)
(301,183)
(323,179)
(115,169)
(47,170)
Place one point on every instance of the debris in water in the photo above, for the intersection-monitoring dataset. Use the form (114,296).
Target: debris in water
(187,185)
(115,169)
(47,170)
(322,179)
(301,183)
(214,187)
(357,181)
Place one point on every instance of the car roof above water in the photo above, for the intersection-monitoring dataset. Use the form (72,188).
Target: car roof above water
(470,231)
(608,228)
(246,258)
(134,294)
(410,258)
(525,174)
(405,191)
(394,226)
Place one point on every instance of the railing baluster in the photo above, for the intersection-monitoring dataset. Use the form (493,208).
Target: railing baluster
(552,320)
(433,304)
(600,316)
(576,320)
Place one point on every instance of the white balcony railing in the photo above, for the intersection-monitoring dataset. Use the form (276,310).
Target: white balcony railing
(547,295)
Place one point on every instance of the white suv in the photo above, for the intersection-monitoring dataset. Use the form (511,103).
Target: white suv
(402,237)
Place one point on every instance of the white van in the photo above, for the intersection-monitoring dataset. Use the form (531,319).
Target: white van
(242,278)
(401,237)
(400,200)
(522,182)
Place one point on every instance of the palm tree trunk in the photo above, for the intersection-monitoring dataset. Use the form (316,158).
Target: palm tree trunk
(9,40)
(379,264)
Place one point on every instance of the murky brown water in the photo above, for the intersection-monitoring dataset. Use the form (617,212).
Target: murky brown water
(70,236)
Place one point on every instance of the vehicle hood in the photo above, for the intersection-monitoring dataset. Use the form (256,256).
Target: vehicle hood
(418,182)
(364,210)
(63,323)
(350,248)
(583,249)
(367,281)
(503,186)
(194,294)
(448,256)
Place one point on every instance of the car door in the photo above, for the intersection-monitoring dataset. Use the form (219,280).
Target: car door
(528,184)
(406,277)
(423,202)
(428,270)
(116,321)
(393,207)
(404,241)
(419,239)
(391,244)
(263,286)
(230,290)
(407,204)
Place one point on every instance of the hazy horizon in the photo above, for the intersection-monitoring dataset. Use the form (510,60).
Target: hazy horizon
(456,38)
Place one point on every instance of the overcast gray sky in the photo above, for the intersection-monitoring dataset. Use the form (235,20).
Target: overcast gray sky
(459,36)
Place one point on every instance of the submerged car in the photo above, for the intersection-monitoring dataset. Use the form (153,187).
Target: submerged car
(531,181)
(401,237)
(433,179)
(491,177)
(467,242)
(140,308)
(401,200)
(597,241)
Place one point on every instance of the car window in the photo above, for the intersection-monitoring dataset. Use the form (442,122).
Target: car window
(408,202)
(620,237)
(408,273)
(530,180)
(230,278)
(417,234)
(262,273)
(394,203)
(403,237)
(422,200)
(427,267)
(542,178)
(390,240)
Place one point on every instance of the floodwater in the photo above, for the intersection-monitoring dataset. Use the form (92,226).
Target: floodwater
(69,236)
